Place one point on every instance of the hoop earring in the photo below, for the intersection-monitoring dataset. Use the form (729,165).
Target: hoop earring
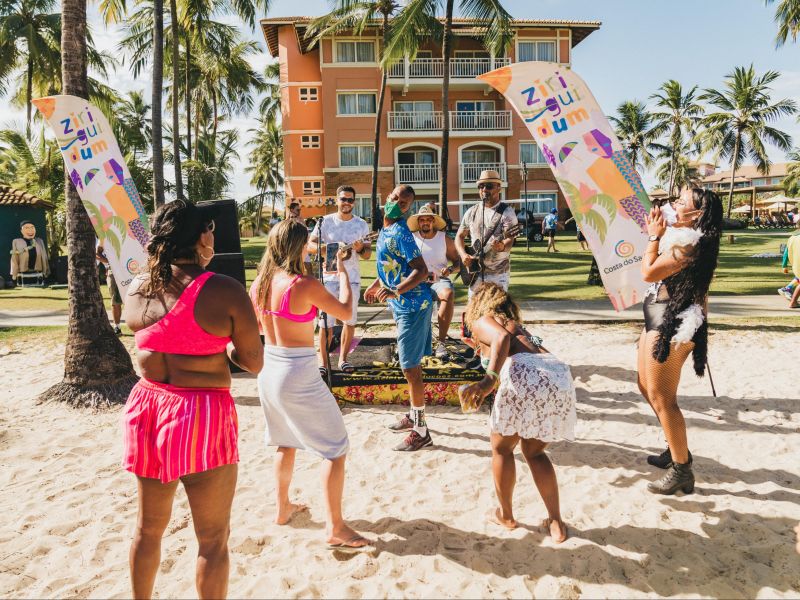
(208,258)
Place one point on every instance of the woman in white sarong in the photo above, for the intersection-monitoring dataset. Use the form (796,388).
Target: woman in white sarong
(300,410)
(534,404)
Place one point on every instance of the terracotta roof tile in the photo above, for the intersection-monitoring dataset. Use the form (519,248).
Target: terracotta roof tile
(9,196)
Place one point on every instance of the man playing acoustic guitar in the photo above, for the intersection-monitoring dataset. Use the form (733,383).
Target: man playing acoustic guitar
(487,223)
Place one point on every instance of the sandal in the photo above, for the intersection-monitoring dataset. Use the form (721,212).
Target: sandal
(323,372)
(348,547)
(346,367)
(546,524)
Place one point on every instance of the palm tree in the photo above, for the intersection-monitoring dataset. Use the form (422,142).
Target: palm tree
(787,17)
(791,183)
(418,18)
(678,118)
(97,368)
(680,171)
(637,131)
(176,138)
(155,102)
(29,36)
(131,124)
(741,127)
(357,16)
(270,107)
(266,162)
(213,170)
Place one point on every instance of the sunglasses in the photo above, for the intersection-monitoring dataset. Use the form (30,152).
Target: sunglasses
(487,186)
(348,200)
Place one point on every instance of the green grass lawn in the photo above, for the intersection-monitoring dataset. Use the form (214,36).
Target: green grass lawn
(534,276)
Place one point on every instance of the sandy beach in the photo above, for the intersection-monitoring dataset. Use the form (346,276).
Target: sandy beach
(69,509)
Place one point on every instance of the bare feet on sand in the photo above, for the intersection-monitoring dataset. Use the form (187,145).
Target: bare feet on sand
(348,540)
(494,516)
(288,511)
(556,529)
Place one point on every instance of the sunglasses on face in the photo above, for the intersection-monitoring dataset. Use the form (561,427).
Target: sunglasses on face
(346,199)
(486,186)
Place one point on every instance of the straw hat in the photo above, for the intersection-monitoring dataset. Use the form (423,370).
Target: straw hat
(438,222)
(490,176)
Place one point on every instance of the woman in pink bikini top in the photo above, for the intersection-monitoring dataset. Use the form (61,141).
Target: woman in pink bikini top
(285,300)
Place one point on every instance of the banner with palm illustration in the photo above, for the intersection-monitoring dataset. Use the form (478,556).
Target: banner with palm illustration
(98,171)
(602,188)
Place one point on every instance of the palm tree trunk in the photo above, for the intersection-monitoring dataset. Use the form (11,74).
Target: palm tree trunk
(29,95)
(196,131)
(445,153)
(188,102)
(734,165)
(376,224)
(158,86)
(260,210)
(97,368)
(176,130)
(216,119)
(673,160)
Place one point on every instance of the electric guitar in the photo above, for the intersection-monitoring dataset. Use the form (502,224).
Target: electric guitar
(470,274)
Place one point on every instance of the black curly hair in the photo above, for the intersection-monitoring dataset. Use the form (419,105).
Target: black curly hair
(690,285)
(174,231)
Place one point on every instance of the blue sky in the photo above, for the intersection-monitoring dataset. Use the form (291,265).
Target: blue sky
(640,45)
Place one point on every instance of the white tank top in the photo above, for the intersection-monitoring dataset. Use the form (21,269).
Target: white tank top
(434,251)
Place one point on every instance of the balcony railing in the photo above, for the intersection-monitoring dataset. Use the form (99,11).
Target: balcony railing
(415,121)
(471,171)
(417,173)
(433,68)
(487,120)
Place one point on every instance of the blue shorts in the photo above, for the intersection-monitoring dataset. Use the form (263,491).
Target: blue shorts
(413,336)
(443,284)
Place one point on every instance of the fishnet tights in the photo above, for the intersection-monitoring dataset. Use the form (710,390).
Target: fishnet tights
(658,383)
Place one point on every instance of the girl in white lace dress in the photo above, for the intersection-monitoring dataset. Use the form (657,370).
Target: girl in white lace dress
(534,404)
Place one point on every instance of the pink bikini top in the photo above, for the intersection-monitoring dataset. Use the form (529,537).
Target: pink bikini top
(283,310)
(177,332)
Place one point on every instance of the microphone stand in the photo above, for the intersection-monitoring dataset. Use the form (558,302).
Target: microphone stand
(323,316)
(482,250)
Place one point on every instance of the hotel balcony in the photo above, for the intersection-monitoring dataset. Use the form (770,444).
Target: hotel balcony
(420,175)
(494,123)
(471,171)
(428,72)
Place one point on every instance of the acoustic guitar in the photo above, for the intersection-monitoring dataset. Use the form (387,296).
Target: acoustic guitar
(470,274)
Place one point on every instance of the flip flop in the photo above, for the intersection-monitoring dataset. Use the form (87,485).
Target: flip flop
(323,372)
(348,548)
(346,367)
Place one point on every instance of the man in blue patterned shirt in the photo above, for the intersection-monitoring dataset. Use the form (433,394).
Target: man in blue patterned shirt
(402,282)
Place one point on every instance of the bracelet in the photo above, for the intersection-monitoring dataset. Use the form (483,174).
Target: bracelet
(493,374)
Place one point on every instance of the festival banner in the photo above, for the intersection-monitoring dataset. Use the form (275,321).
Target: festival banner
(98,171)
(601,185)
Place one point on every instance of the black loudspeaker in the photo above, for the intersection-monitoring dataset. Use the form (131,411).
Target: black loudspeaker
(230,264)
(226,226)
(61,270)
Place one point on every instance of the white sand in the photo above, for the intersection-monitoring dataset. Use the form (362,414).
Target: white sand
(69,510)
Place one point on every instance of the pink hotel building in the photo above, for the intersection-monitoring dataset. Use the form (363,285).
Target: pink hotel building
(329,100)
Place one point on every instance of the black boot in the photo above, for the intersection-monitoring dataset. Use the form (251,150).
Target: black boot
(663,460)
(678,477)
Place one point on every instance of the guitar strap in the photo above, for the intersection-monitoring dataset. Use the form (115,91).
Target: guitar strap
(499,209)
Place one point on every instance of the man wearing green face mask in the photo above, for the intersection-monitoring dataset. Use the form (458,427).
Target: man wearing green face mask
(402,281)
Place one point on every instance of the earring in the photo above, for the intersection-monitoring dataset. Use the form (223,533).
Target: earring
(208,258)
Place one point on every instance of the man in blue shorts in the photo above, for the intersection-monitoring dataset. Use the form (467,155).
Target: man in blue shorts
(402,276)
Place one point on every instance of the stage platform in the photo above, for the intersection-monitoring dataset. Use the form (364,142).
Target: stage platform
(379,380)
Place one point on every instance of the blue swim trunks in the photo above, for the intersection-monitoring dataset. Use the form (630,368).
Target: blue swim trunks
(413,335)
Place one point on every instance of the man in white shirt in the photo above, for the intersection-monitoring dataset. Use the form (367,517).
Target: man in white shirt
(437,248)
(346,228)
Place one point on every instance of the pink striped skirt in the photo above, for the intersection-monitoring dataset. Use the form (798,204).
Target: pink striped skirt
(173,431)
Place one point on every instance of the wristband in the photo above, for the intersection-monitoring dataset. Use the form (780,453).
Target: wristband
(493,374)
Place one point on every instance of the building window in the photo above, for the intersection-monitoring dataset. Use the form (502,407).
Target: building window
(356,156)
(540,203)
(355,52)
(363,207)
(309,94)
(544,51)
(312,188)
(309,141)
(357,103)
(530,154)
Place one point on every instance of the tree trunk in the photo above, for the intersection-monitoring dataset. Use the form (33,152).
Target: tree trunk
(673,159)
(188,102)
(260,210)
(445,153)
(196,131)
(734,165)
(176,128)
(158,85)
(215,120)
(29,95)
(376,224)
(97,368)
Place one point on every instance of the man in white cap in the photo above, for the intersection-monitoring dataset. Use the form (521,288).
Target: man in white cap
(437,249)
(486,223)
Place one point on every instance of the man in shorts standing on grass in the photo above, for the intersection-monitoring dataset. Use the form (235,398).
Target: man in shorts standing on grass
(402,281)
